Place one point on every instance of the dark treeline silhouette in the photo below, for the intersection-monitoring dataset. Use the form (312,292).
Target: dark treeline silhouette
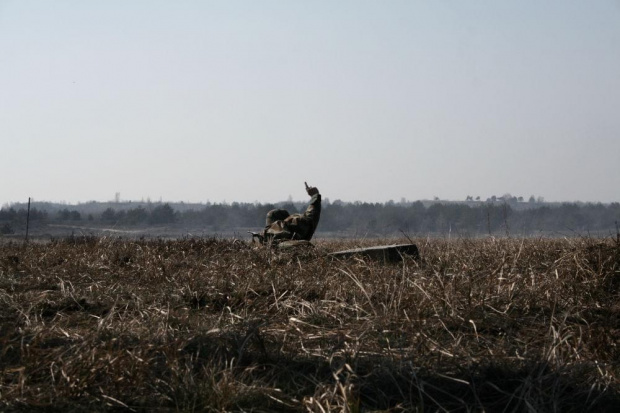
(484,218)
(160,214)
(346,219)
(14,220)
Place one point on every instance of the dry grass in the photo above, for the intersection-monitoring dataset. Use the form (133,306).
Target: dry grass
(217,325)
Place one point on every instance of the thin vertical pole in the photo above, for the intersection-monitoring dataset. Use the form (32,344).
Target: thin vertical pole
(28,219)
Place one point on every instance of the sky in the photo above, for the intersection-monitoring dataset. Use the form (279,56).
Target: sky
(237,100)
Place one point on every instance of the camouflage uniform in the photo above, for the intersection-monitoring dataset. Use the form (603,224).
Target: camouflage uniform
(281,226)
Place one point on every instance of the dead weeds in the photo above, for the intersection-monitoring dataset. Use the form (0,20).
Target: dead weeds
(221,325)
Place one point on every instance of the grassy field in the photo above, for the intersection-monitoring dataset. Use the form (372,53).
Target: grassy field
(103,324)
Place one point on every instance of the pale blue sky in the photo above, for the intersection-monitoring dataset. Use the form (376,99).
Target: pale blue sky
(368,100)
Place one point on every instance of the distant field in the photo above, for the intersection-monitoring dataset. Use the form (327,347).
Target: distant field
(98,324)
(46,232)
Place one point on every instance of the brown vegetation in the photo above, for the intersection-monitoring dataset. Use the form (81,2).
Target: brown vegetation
(204,324)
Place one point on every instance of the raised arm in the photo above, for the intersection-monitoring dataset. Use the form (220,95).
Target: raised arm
(313,212)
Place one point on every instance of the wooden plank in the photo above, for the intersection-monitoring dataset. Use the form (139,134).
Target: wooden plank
(386,253)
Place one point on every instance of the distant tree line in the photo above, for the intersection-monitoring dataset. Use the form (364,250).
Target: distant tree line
(161,214)
(12,220)
(485,218)
(358,218)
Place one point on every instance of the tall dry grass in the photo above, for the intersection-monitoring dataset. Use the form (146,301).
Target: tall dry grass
(103,324)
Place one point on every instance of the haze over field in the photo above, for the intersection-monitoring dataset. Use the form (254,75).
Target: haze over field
(246,100)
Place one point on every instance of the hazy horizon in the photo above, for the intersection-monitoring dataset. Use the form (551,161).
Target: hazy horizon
(243,101)
(401,200)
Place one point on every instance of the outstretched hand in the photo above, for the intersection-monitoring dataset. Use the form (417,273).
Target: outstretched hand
(311,190)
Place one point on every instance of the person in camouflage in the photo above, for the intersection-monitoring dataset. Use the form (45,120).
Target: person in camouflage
(281,225)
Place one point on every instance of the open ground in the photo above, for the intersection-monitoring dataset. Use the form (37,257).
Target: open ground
(203,324)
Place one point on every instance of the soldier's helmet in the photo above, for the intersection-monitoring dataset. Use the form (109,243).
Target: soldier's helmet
(277,215)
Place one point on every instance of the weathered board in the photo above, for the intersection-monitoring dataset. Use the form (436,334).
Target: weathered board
(386,253)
